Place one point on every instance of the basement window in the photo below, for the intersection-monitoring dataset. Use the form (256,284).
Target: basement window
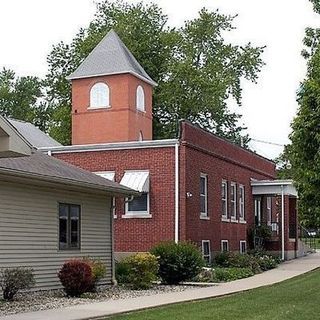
(206,252)
(224,245)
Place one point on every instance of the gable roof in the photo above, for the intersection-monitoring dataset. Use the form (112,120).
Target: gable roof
(12,143)
(33,135)
(110,56)
(39,166)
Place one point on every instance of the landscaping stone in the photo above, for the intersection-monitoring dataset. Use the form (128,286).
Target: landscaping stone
(44,300)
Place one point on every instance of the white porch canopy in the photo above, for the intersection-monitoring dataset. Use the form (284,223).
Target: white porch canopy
(275,187)
(136,180)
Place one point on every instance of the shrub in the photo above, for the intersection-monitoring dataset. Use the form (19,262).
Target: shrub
(140,270)
(205,275)
(267,262)
(15,279)
(237,260)
(178,261)
(222,259)
(230,274)
(76,277)
(98,269)
(122,272)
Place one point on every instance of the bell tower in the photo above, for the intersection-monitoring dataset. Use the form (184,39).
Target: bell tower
(111,96)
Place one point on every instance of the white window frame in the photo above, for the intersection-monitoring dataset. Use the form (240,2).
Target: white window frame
(233,202)
(205,195)
(137,214)
(209,255)
(140,99)
(242,200)
(269,211)
(222,243)
(97,100)
(245,244)
(224,214)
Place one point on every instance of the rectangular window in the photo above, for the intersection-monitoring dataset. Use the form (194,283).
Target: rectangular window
(224,199)
(243,247)
(139,205)
(233,201)
(224,245)
(203,195)
(241,203)
(269,210)
(69,226)
(206,252)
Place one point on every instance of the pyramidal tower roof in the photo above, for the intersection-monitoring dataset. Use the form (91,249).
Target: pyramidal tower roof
(110,56)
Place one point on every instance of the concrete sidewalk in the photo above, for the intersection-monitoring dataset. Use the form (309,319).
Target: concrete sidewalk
(285,271)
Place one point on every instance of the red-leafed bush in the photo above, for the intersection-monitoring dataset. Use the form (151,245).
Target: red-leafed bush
(76,277)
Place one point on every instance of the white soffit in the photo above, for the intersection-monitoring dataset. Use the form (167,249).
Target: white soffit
(273,187)
(136,180)
(106,174)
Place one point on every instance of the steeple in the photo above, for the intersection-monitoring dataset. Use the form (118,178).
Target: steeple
(111,96)
(110,57)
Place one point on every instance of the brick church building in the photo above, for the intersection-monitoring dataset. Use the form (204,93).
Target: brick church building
(197,187)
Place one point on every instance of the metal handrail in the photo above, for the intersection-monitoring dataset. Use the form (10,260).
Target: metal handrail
(308,237)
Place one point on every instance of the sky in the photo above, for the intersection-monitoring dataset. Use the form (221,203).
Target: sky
(28,29)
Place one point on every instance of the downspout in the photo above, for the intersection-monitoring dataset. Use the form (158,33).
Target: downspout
(113,263)
(176,202)
(282,222)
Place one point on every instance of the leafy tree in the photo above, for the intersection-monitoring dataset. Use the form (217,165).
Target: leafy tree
(304,151)
(197,71)
(284,167)
(20,99)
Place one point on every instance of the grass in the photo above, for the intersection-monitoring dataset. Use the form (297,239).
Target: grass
(294,299)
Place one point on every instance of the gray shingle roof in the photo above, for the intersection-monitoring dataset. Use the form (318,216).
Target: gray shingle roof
(33,135)
(110,56)
(44,167)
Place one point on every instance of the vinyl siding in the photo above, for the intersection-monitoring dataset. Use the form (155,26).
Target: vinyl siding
(29,230)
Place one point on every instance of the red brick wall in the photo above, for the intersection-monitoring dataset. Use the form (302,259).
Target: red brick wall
(121,122)
(200,152)
(133,235)
(220,160)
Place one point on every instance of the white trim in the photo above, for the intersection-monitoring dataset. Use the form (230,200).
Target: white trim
(176,195)
(269,210)
(222,242)
(153,83)
(224,215)
(241,242)
(202,249)
(99,96)
(205,194)
(99,108)
(136,214)
(282,224)
(242,203)
(233,201)
(112,146)
(140,99)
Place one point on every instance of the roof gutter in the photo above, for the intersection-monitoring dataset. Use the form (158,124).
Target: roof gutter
(111,146)
(68,182)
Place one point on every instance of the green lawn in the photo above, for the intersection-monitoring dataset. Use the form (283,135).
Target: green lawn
(295,299)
